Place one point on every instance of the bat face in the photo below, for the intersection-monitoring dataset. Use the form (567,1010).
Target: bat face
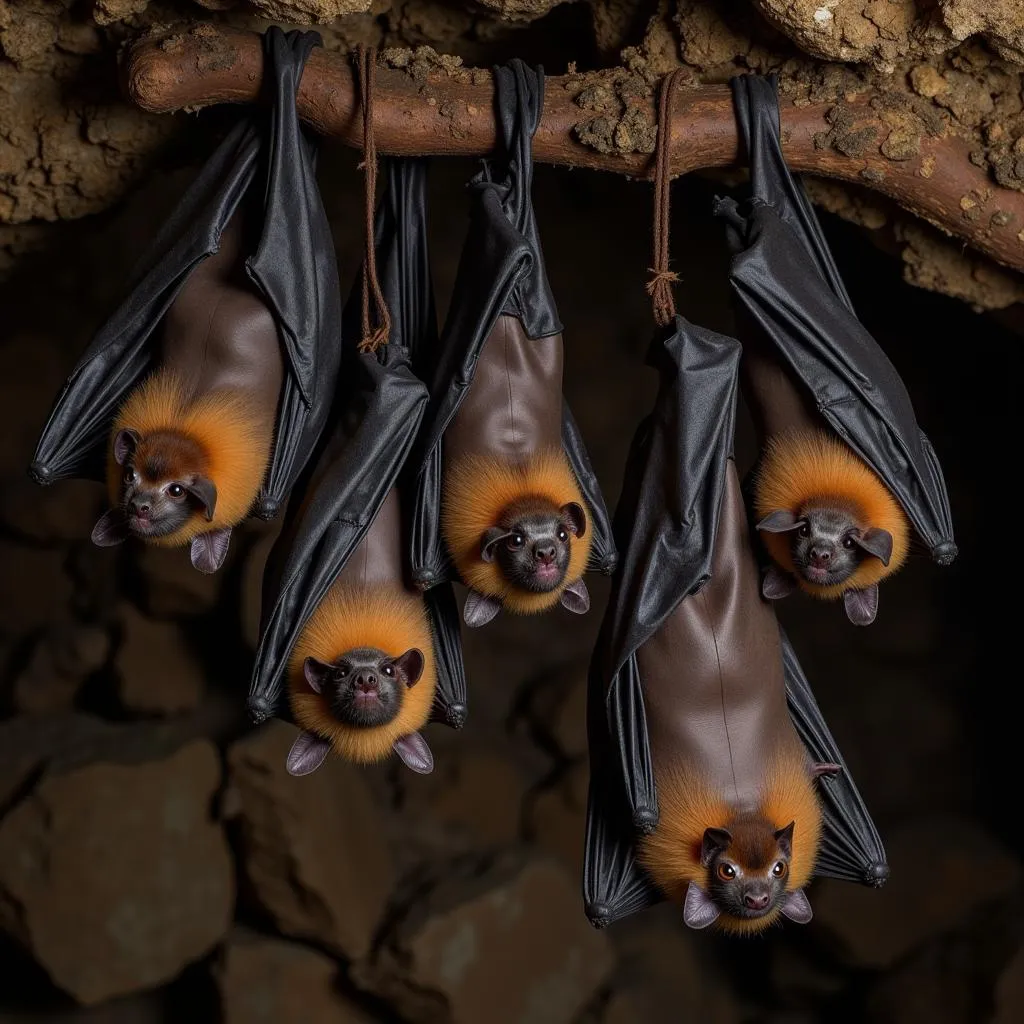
(747,869)
(364,687)
(532,543)
(163,483)
(828,544)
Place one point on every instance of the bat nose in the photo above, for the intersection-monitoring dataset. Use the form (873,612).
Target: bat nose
(366,682)
(755,900)
(544,553)
(140,508)
(821,554)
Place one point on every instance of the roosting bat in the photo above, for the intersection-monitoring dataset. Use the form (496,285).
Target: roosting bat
(190,448)
(362,676)
(705,741)
(203,396)
(845,464)
(506,482)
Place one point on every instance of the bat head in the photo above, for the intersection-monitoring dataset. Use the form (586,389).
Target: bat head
(364,687)
(746,871)
(827,542)
(531,543)
(163,485)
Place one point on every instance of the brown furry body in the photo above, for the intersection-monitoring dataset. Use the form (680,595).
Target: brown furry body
(726,754)
(210,408)
(504,447)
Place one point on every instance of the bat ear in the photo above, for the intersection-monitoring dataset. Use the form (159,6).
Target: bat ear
(575,518)
(576,598)
(699,908)
(210,549)
(715,840)
(797,907)
(415,753)
(781,521)
(316,673)
(205,493)
(111,528)
(777,584)
(876,542)
(784,837)
(489,540)
(307,754)
(479,609)
(125,443)
(861,605)
(411,665)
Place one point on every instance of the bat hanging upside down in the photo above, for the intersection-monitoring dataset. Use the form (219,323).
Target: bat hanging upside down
(513,515)
(739,823)
(190,448)
(362,676)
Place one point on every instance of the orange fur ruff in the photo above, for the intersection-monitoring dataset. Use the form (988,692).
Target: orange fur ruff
(383,617)
(671,854)
(477,489)
(802,469)
(235,438)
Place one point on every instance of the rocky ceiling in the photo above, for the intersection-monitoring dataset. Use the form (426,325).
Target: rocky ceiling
(70,147)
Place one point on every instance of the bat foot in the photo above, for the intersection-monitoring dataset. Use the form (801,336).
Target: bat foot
(260,709)
(645,820)
(945,553)
(41,474)
(599,915)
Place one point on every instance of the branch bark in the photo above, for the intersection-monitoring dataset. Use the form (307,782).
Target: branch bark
(445,114)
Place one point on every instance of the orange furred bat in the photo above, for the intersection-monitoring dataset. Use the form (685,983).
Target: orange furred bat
(755,840)
(349,618)
(827,521)
(485,492)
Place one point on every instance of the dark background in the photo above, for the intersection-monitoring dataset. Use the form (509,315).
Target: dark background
(156,863)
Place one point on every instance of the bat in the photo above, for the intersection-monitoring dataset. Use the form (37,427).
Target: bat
(714,781)
(507,501)
(204,395)
(846,470)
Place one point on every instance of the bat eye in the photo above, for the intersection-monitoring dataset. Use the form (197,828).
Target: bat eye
(176,491)
(726,872)
(342,672)
(562,535)
(129,476)
(805,530)
(779,869)
(849,543)
(516,540)
(389,670)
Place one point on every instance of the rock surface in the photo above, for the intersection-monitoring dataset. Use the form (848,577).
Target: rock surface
(114,876)
(313,847)
(157,673)
(944,855)
(268,981)
(438,963)
(63,657)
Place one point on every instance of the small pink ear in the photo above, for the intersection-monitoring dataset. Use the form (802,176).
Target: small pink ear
(307,754)
(699,909)
(797,907)
(415,753)
(125,444)
(111,528)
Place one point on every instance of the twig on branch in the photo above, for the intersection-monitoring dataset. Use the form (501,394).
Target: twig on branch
(453,115)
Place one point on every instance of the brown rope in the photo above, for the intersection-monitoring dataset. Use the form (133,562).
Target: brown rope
(366,66)
(660,285)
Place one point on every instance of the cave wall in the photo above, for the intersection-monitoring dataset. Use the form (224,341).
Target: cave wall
(156,862)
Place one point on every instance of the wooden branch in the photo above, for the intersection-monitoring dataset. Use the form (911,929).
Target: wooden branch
(442,114)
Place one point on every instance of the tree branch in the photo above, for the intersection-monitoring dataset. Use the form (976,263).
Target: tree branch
(452,114)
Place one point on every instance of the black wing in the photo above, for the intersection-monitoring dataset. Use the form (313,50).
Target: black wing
(501,271)
(851,848)
(786,279)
